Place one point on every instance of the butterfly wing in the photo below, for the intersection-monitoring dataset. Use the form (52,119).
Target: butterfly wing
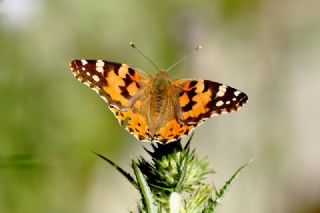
(172,131)
(136,123)
(202,99)
(198,100)
(115,83)
(120,86)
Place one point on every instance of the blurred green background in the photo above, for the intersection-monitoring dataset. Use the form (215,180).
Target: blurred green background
(50,122)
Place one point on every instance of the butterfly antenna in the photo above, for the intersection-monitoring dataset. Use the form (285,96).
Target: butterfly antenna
(134,47)
(184,58)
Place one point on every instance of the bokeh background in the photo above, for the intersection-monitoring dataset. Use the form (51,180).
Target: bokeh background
(49,122)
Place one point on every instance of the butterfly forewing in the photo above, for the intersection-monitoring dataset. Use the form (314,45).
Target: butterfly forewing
(201,99)
(115,83)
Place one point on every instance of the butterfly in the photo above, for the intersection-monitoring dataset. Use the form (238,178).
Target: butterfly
(156,108)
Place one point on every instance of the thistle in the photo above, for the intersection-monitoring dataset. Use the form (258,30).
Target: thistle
(173,180)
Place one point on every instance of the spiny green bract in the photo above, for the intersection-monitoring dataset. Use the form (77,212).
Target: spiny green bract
(173,168)
(174,172)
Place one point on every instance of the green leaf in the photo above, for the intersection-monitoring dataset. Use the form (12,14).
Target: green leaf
(197,201)
(20,162)
(209,207)
(145,191)
(220,193)
(124,173)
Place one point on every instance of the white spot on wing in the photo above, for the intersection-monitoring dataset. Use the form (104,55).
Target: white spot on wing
(219,103)
(84,62)
(100,63)
(96,78)
(113,105)
(99,66)
(104,98)
(220,93)
(222,90)
(87,83)
(96,90)
(237,93)
(100,69)
(88,73)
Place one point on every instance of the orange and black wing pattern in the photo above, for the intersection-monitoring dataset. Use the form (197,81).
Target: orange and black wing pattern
(128,90)
(119,85)
(202,99)
(116,83)
(198,101)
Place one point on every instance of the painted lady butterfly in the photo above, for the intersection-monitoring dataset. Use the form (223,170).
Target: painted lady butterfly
(156,108)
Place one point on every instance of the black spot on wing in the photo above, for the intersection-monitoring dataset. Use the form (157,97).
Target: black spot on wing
(230,101)
(192,84)
(137,130)
(206,87)
(141,137)
(131,71)
(164,140)
(176,137)
(191,93)
(114,66)
(127,81)
(213,86)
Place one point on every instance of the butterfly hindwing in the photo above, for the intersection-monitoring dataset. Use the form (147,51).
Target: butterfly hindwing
(172,131)
(136,123)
